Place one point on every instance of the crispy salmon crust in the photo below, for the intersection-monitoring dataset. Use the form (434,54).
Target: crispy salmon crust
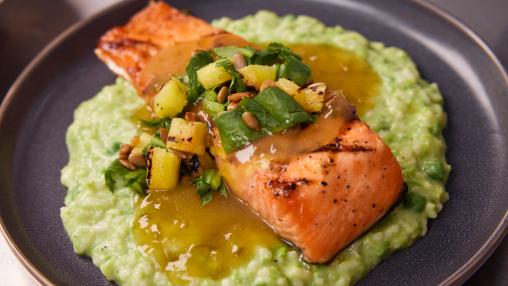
(127,49)
(320,200)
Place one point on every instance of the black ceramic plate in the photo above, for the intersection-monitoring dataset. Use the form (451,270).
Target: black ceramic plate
(39,108)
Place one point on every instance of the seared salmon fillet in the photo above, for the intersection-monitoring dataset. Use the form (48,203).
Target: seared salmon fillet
(127,49)
(319,188)
(325,190)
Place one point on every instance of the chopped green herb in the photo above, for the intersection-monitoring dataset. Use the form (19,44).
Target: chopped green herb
(237,84)
(206,199)
(282,50)
(156,123)
(293,69)
(216,181)
(198,61)
(213,108)
(276,110)
(117,177)
(156,141)
(114,148)
(223,191)
(207,183)
(267,122)
(290,64)
(233,131)
(229,51)
(210,95)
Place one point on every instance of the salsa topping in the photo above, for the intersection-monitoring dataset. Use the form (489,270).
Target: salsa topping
(239,94)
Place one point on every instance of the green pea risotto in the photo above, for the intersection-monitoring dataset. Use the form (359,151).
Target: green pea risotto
(197,234)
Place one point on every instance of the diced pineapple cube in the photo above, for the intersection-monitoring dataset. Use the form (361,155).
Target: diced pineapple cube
(287,86)
(311,98)
(211,75)
(171,99)
(163,169)
(187,136)
(255,75)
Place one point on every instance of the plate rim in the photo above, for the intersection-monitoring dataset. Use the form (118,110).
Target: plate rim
(457,278)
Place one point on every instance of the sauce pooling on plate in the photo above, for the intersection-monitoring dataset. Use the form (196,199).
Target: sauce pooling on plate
(343,71)
(188,240)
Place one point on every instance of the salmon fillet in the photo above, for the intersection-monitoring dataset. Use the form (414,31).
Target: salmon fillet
(127,49)
(339,184)
(322,200)
(320,187)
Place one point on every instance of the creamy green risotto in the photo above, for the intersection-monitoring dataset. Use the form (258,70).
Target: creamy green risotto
(407,112)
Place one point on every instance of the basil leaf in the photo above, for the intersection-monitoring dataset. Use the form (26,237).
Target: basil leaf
(282,50)
(198,61)
(266,120)
(276,110)
(233,131)
(265,57)
(293,69)
(237,84)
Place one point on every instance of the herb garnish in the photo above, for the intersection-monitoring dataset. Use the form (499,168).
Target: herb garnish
(199,60)
(207,183)
(117,177)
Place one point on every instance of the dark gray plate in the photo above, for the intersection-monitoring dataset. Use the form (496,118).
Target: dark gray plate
(39,108)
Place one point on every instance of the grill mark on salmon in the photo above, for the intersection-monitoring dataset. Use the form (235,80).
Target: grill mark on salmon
(324,187)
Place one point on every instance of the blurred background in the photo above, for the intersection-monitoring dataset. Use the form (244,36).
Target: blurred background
(26,26)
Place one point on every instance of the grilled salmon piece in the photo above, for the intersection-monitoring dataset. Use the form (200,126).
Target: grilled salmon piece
(318,191)
(319,188)
(127,49)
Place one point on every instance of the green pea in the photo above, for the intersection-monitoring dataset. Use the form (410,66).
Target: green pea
(415,201)
(433,168)
(281,251)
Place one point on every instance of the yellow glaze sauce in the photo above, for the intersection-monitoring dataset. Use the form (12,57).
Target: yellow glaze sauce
(188,240)
(343,71)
